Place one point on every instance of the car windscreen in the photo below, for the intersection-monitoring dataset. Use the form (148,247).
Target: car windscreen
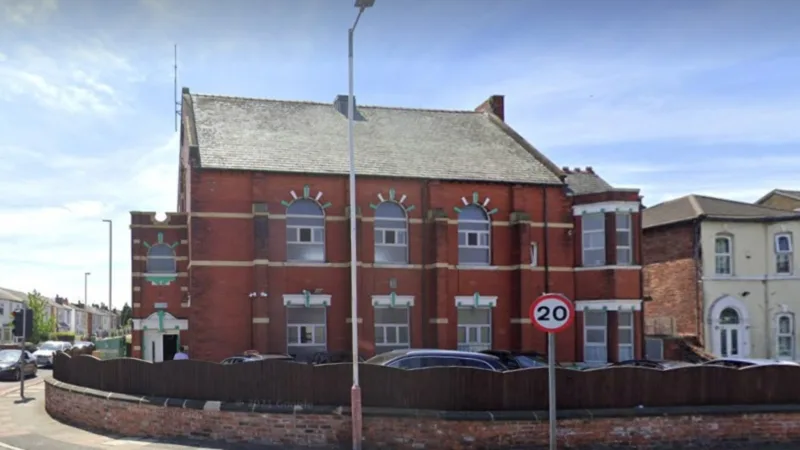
(9,356)
(51,346)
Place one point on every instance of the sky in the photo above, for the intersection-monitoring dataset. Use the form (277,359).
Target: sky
(669,96)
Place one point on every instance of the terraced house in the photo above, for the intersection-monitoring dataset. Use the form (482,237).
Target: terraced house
(461,224)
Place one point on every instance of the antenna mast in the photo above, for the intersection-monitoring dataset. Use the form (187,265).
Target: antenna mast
(177,104)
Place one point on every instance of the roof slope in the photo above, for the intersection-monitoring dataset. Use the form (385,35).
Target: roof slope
(784,192)
(302,137)
(694,206)
(10,294)
(585,181)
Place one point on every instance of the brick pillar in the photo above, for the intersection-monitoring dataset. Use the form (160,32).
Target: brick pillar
(612,336)
(258,327)
(578,336)
(445,303)
(524,335)
(638,335)
(611,238)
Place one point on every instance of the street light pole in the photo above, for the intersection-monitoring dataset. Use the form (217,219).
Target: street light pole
(355,392)
(110,261)
(86,287)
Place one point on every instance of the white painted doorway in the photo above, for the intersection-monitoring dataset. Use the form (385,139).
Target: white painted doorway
(730,333)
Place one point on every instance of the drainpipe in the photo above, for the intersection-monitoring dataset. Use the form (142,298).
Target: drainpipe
(426,333)
(765,286)
(545,246)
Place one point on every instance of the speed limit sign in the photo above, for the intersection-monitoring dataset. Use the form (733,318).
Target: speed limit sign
(552,313)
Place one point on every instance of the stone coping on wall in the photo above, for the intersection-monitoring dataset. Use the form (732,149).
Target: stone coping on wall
(407,429)
(482,416)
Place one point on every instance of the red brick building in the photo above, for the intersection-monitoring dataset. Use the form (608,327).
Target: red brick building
(461,225)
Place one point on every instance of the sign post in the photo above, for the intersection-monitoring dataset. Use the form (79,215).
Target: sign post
(22,359)
(552,313)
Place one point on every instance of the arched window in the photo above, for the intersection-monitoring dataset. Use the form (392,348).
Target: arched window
(474,242)
(723,253)
(729,316)
(161,259)
(305,231)
(391,234)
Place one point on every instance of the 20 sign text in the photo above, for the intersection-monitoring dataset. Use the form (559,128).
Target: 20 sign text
(552,313)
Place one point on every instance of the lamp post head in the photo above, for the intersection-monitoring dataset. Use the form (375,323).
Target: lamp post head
(364,4)
(87,274)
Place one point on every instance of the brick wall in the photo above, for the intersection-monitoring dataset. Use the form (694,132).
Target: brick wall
(100,412)
(671,279)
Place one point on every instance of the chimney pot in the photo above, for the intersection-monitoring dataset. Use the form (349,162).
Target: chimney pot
(495,105)
(590,170)
(341,102)
(577,170)
(565,169)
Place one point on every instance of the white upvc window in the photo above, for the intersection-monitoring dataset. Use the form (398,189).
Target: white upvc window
(305,231)
(784,253)
(624,239)
(474,329)
(474,236)
(625,336)
(391,234)
(306,330)
(534,254)
(723,255)
(391,328)
(595,334)
(593,231)
(785,337)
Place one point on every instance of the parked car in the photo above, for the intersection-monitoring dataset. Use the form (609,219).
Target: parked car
(253,357)
(424,358)
(12,368)
(46,352)
(333,358)
(519,360)
(738,363)
(639,363)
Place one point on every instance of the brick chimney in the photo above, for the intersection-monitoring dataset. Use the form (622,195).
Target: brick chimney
(495,105)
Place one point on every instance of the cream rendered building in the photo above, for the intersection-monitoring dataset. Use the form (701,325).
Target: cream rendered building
(725,272)
(751,288)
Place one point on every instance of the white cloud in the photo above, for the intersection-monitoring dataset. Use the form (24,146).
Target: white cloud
(49,247)
(76,77)
(24,12)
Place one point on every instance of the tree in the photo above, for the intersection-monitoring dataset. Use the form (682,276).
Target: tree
(125,315)
(44,321)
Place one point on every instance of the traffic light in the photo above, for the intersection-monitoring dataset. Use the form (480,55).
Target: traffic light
(19,316)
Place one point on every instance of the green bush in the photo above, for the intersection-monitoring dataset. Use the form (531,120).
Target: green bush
(64,336)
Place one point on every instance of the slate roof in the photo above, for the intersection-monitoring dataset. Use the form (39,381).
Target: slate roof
(585,181)
(304,137)
(699,206)
(784,192)
(10,294)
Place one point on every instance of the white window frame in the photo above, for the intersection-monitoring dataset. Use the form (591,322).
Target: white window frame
(784,256)
(790,336)
(480,235)
(624,245)
(629,329)
(161,258)
(400,234)
(587,232)
(396,326)
(534,254)
(587,328)
(723,256)
(295,231)
(314,335)
(476,344)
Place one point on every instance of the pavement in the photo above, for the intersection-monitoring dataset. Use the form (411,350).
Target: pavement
(25,425)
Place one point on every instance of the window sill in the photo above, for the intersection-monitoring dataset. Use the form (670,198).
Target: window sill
(476,267)
(608,267)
